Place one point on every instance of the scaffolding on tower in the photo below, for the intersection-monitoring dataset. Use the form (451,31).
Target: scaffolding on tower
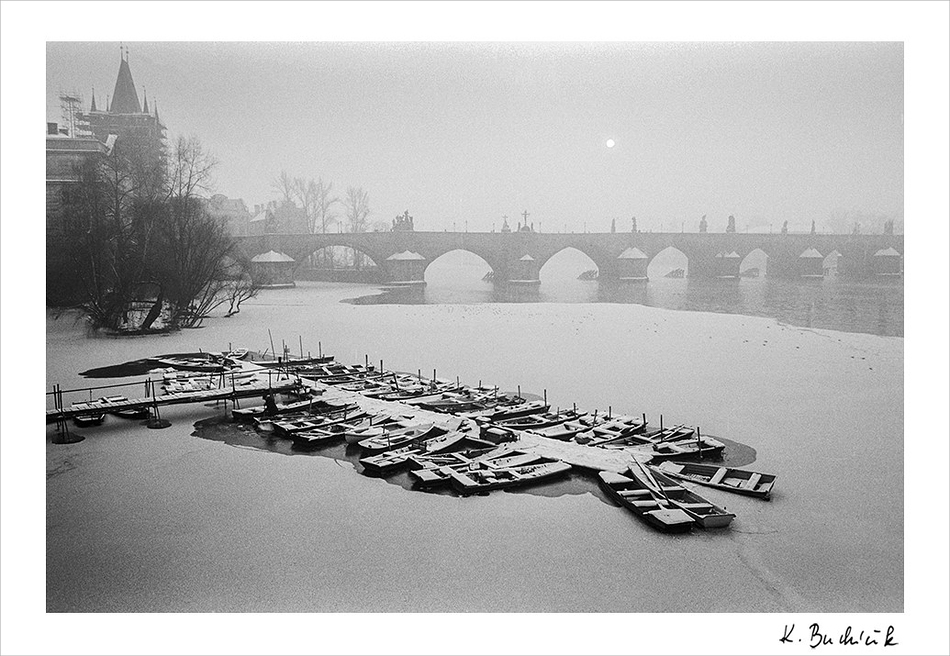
(73,117)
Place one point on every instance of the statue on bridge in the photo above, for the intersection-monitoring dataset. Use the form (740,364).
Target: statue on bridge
(785,228)
(812,226)
(702,224)
(403,223)
(889,227)
(504,226)
(525,227)
(613,225)
(633,228)
(731,226)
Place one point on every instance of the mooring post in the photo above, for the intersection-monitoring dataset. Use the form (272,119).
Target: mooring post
(419,373)
(643,416)
(519,391)
(319,349)
(545,396)
(661,423)
(300,337)
(699,443)
(366,361)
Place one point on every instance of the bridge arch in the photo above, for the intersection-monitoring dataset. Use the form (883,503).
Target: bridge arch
(755,260)
(568,262)
(456,264)
(666,261)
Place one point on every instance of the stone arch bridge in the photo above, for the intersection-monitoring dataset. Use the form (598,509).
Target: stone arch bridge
(517,257)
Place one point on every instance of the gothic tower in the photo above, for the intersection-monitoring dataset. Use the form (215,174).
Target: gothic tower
(125,117)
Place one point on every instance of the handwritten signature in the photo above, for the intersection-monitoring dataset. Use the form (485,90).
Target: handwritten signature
(816,637)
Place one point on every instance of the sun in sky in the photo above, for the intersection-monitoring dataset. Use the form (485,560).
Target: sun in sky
(611,143)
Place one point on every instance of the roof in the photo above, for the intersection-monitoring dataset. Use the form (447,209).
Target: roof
(260,216)
(732,255)
(887,252)
(632,253)
(811,252)
(272,256)
(125,100)
(526,258)
(405,255)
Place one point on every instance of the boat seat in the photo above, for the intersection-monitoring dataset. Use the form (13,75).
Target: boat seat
(634,493)
(674,488)
(646,504)
(718,476)
(752,482)
(696,506)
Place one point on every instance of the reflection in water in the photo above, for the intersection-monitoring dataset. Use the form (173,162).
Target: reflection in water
(863,306)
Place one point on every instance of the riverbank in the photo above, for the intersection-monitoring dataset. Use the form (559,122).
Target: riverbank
(141,520)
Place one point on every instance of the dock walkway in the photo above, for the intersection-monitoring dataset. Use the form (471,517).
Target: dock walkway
(175,398)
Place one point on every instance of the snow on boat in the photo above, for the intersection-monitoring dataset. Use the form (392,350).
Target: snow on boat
(399,438)
(640,499)
(739,481)
(485,480)
(704,513)
(389,461)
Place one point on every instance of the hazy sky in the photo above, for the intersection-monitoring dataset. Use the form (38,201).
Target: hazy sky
(470,132)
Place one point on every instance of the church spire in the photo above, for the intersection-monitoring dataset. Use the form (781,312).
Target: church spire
(93,108)
(145,102)
(125,99)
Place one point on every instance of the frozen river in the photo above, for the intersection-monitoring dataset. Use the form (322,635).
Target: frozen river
(142,520)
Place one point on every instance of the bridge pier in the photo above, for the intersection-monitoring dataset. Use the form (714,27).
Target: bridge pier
(719,265)
(405,269)
(867,262)
(630,266)
(524,271)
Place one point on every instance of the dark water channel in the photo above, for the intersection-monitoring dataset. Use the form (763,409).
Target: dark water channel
(873,306)
(222,429)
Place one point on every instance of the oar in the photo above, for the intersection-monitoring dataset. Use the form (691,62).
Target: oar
(646,472)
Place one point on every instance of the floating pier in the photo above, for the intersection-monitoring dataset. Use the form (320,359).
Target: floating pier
(232,393)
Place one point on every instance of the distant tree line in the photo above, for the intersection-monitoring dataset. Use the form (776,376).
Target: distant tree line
(320,206)
(135,247)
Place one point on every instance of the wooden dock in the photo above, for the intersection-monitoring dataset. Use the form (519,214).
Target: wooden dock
(175,398)
(578,455)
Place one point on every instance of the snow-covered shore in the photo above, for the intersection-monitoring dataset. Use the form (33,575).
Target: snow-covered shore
(141,520)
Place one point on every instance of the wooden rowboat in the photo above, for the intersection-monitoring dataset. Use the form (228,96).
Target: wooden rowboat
(644,502)
(537,421)
(508,411)
(432,470)
(740,481)
(485,480)
(399,438)
(390,461)
(704,513)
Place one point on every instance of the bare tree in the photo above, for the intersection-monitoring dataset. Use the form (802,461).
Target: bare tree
(357,208)
(189,257)
(241,287)
(283,184)
(357,212)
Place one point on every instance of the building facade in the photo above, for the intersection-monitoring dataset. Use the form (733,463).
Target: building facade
(65,157)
